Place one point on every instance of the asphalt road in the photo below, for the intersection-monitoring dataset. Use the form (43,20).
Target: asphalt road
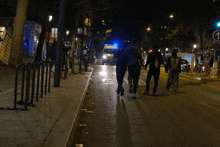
(190,117)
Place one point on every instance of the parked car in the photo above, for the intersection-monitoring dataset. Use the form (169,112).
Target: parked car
(185,65)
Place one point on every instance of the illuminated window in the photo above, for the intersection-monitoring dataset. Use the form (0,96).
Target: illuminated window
(54,32)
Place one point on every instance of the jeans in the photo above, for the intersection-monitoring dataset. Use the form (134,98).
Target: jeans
(120,73)
(173,78)
(133,76)
(155,74)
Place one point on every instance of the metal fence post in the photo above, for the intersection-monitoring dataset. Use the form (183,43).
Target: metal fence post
(33,85)
(45,92)
(42,79)
(27,86)
(38,79)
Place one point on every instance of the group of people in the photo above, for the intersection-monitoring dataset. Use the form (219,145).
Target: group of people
(131,58)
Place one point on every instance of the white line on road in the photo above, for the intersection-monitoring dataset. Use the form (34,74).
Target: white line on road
(209,106)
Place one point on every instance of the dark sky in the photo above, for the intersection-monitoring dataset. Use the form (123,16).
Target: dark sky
(133,12)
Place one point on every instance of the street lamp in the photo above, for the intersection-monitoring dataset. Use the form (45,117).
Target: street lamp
(67,32)
(171,16)
(194,46)
(148,29)
(166,49)
(50,18)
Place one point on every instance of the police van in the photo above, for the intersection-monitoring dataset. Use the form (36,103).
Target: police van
(109,51)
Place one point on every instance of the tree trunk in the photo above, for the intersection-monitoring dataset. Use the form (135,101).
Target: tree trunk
(17,36)
(45,24)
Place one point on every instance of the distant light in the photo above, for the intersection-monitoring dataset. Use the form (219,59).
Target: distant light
(148,28)
(50,18)
(171,16)
(166,49)
(158,50)
(106,44)
(67,32)
(194,46)
(115,44)
(104,56)
(218,24)
(145,52)
(150,50)
(76,39)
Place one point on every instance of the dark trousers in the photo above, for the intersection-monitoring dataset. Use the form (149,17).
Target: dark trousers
(155,74)
(51,62)
(133,76)
(173,78)
(120,73)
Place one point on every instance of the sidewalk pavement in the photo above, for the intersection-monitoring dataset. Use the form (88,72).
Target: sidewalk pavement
(52,119)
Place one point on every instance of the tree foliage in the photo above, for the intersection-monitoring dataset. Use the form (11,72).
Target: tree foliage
(182,37)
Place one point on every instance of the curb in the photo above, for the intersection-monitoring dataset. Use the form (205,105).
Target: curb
(74,124)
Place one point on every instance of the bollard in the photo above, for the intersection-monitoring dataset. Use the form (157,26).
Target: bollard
(45,92)
(38,79)
(42,79)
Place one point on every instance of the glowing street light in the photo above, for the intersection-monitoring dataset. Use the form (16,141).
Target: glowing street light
(67,32)
(171,16)
(166,49)
(50,18)
(148,28)
(194,46)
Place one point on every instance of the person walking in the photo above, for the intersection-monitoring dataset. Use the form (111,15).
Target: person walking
(173,64)
(154,60)
(134,62)
(121,67)
(52,53)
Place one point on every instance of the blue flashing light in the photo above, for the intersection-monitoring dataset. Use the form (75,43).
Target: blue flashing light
(218,24)
(106,44)
(115,44)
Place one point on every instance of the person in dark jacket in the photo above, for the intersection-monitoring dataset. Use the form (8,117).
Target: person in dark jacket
(120,55)
(134,62)
(154,60)
(173,64)
(52,53)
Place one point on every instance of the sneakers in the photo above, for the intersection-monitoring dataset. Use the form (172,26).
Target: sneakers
(122,91)
(130,88)
(146,92)
(134,95)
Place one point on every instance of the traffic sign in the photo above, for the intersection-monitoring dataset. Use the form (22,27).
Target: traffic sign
(216,35)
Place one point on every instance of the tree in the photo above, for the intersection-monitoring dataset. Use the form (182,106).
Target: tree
(182,37)
(17,36)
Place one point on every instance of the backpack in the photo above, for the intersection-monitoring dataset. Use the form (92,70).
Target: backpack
(174,63)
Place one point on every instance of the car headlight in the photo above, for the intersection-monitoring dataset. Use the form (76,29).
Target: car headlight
(104,56)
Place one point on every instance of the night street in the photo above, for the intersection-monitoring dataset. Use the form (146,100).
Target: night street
(189,117)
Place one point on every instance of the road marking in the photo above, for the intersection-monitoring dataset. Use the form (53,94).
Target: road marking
(209,106)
